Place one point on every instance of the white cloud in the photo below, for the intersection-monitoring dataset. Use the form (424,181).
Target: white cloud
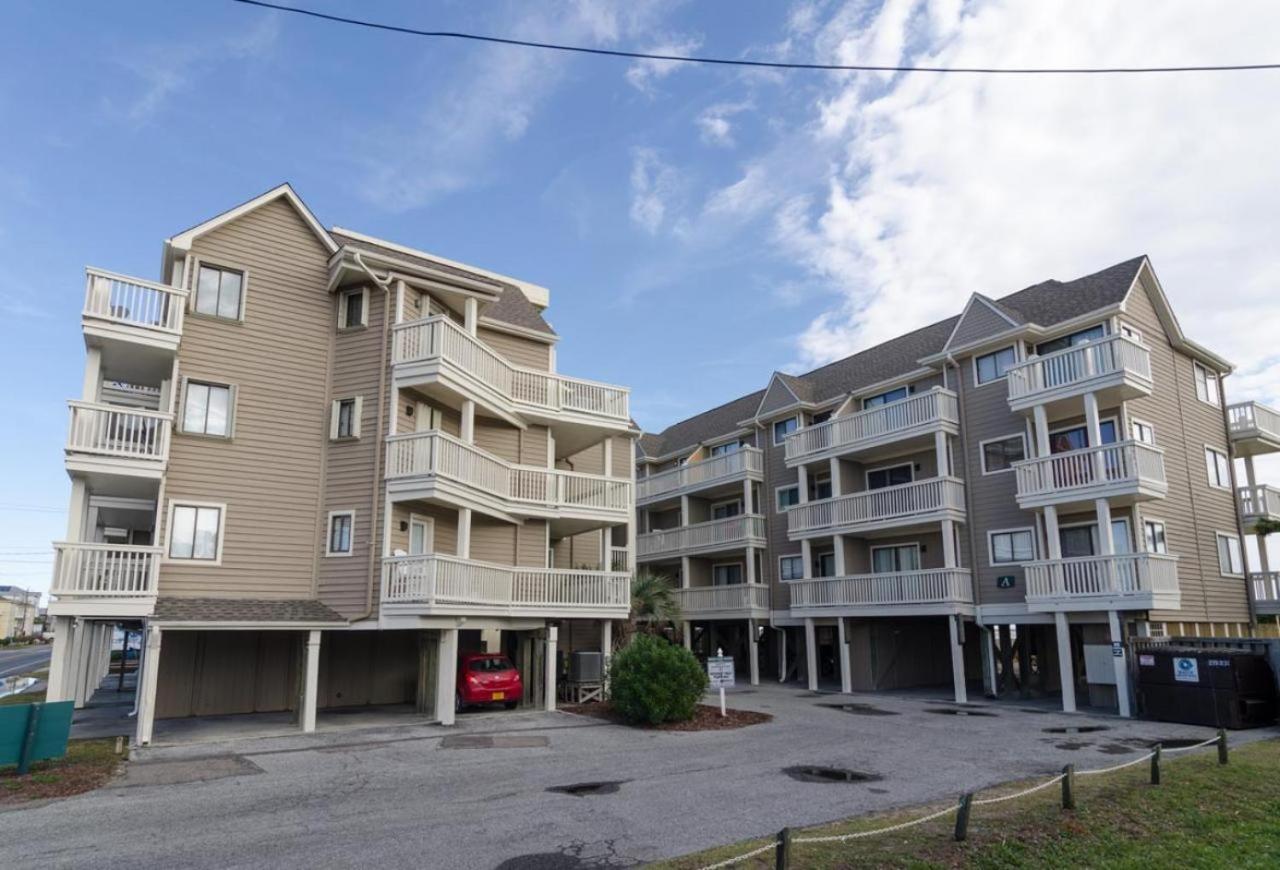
(715,123)
(654,187)
(644,74)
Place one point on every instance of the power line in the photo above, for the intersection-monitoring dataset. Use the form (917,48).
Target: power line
(32,507)
(724,61)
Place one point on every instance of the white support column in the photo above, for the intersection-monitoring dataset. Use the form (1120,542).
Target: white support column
(803,474)
(1052,539)
(553,636)
(836,488)
(447,676)
(940,453)
(687,628)
(57,682)
(684,510)
(464,533)
(989,685)
(81,645)
(471,314)
(838,544)
(606,644)
(92,374)
(76,510)
(846,663)
(753,651)
(949,557)
(811,652)
(147,685)
(1042,430)
(806,555)
(751,565)
(1120,664)
(782,654)
(311,681)
(1249,476)
(1066,673)
(467,431)
(747,506)
(957,660)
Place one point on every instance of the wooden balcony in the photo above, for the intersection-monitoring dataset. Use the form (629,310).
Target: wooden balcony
(922,414)
(938,591)
(1128,581)
(113,439)
(1116,368)
(104,579)
(1266,593)
(119,308)
(735,601)
(716,536)
(1126,471)
(440,585)
(745,464)
(924,501)
(1254,428)
(1257,503)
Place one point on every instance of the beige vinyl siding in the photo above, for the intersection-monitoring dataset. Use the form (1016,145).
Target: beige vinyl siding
(979,321)
(492,540)
(216,672)
(777,543)
(277,358)
(779,395)
(406,422)
(500,439)
(445,521)
(518,351)
(589,461)
(622,466)
(533,446)
(1192,511)
(531,544)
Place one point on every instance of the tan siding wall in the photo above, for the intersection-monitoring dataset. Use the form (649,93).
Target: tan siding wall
(492,540)
(445,520)
(277,358)
(500,439)
(531,544)
(215,672)
(518,351)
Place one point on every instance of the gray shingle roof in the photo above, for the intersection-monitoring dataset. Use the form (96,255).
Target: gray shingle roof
(695,430)
(300,610)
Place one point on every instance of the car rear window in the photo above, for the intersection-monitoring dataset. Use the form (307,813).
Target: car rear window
(486,665)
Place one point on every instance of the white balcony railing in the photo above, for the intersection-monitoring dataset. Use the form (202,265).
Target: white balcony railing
(939,586)
(1123,575)
(735,597)
(134,302)
(734,531)
(1079,365)
(439,337)
(452,583)
(905,501)
(746,461)
(619,560)
(105,570)
(1076,471)
(1266,589)
(1259,501)
(1253,420)
(113,430)
(875,425)
(438,453)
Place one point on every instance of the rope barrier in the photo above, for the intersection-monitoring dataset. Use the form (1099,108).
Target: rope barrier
(1008,797)
(1118,766)
(1211,740)
(857,835)
(729,862)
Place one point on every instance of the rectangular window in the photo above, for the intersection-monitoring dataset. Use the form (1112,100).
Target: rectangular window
(207,409)
(1093,333)
(783,428)
(824,565)
(1230,558)
(788,497)
(992,366)
(1014,545)
(1153,532)
(1206,384)
(1000,454)
(819,488)
(895,559)
(726,448)
(344,418)
(219,292)
(351,309)
(885,398)
(729,574)
(726,509)
(879,478)
(1144,432)
(1219,467)
(340,523)
(1077,437)
(195,532)
(791,568)
(820,417)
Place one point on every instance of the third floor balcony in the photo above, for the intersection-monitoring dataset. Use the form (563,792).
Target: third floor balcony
(117,440)
(907,504)
(1254,428)
(1266,592)
(744,530)
(917,416)
(746,463)
(1126,471)
(1115,368)
(1257,503)
(119,577)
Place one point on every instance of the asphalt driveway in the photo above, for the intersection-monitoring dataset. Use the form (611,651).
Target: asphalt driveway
(484,794)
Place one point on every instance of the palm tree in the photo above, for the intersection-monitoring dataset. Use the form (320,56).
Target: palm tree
(653,604)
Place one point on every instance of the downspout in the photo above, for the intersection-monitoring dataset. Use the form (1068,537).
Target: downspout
(968,489)
(379,433)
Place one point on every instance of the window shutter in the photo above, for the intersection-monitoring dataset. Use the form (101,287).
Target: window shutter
(355,416)
(233,393)
(333,420)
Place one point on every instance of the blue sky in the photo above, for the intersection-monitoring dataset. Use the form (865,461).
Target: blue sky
(698,227)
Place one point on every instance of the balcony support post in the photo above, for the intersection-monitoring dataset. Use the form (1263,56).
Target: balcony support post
(949,558)
(1094,426)
(471,314)
(782,654)
(687,629)
(1106,545)
(747,506)
(447,674)
(811,653)
(311,681)
(76,510)
(838,541)
(1042,431)
(751,566)
(467,430)
(806,554)
(92,374)
(1121,665)
(147,681)
(464,533)
(1066,671)
(80,641)
(989,686)
(846,665)
(940,453)
(57,679)
(753,651)
(956,628)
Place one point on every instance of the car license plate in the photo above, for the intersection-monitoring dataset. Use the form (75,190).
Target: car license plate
(498,696)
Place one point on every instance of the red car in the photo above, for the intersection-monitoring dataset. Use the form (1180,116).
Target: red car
(488,678)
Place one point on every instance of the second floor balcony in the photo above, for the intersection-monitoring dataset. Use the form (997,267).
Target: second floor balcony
(1258,503)
(115,439)
(1124,581)
(918,415)
(923,501)
(1266,592)
(1126,471)
(746,463)
(115,578)
(1254,428)
(745,530)
(118,308)
(937,591)
(1115,368)
(730,601)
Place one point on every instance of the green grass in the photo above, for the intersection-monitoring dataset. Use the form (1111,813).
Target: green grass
(1203,816)
(87,765)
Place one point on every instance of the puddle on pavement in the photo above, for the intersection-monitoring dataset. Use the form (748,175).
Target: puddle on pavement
(588,789)
(948,711)
(14,685)
(859,709)
(816,773)
(1076,729)
(484,741)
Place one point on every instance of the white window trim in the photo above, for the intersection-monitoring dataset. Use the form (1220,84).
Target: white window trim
(799,556)
(773,429)
(777,503)
(342,309)
(168,531)
(871,555)
(1218,552)
(356,414)
(232,398)
(982,455)
(193,283)
(742,572)
(428,536)
(1093,538)
(1137,421)
(1144,520)
(1113,419)
(991,550)
(1209,374)
(328,534)
(818,555)
(1137,333)
(866,475)
(712,447)
(910,391)
(1017,358)
(742,508)
(1225,455)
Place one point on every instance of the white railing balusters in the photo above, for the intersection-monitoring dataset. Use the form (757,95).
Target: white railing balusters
(448,581)
(115,430)
(737,596)
(1266,586)
(1078,364)
(1120,462)
(134,302)
(938,405)
(104,570)
(878,505)
(731,531)
(1122,574)
(1252,420)
(933,586)
(748,460)
(1259,501)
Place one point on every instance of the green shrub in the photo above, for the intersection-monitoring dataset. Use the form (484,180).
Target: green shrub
(652,681)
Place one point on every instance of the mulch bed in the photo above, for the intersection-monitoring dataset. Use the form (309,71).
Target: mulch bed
(87,765)
(705,718)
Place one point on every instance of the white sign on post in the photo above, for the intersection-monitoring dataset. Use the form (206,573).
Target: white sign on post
(720,673)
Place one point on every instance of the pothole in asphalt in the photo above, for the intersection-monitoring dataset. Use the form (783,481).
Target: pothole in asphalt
(859,709)
(588,789)
(816,773)
(1076,729)
(948,711)
(1175,743)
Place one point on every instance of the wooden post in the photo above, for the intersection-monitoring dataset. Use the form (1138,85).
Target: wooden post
(29,739)
(1222,746)
(1155,765)
(962,817)
(783,852)
(1068,787)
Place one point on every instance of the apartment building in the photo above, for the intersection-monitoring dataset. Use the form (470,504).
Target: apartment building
(18,611)
(1033,480)
(316,466)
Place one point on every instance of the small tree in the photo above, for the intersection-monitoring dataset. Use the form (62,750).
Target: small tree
(653,681)
(653,605)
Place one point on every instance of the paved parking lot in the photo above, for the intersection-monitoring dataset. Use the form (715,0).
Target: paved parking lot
(482,794)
